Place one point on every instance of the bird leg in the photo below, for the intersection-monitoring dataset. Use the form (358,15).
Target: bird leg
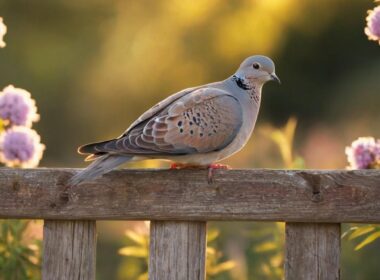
(211,168)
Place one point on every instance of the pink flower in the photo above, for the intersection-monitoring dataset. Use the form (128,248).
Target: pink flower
(3,31)
(17,107)
(364,153)
(373,24)
(20,147)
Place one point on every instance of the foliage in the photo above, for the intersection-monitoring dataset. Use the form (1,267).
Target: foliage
(271,249)
(365,233)
(139,34)
(364,153)
(284,140)
(361,150)
(140,249)
(18,261)
(271,238)
(214,265)
(19,147)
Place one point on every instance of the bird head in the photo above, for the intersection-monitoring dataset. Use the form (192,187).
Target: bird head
(257,69)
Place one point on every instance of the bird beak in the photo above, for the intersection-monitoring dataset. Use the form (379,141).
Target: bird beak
(275,78)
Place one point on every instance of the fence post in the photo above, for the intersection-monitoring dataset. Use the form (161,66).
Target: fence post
(312,251)
(69,250)
(177,250)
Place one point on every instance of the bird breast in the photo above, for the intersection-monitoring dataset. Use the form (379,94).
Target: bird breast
(250,112)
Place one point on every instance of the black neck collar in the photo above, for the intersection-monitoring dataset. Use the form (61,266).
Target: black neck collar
(241,83)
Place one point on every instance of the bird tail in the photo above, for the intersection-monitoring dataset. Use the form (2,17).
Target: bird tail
(98,167)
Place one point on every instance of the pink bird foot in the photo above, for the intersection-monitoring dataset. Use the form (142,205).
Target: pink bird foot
(212,167)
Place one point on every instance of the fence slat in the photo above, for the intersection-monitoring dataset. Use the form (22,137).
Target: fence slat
(339,196)
(69,250)
(312,251)
(177,250)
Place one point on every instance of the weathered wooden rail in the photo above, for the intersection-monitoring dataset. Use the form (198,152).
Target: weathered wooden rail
(180,202)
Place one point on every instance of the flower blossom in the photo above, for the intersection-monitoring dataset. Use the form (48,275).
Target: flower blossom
(20,147)
(17,107)
(3,31)
(364,153)
(373,24)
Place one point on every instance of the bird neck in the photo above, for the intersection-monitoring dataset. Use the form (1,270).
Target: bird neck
(241,82)
(251,88)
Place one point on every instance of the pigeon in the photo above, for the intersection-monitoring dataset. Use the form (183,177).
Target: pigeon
(197,126)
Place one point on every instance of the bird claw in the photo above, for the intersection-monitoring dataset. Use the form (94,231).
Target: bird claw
(174,166)
(211,168)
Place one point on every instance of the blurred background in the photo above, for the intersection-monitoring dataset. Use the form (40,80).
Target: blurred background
(95,66)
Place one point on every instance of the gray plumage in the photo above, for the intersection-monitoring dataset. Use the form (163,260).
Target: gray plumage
(99,166)
(196,126)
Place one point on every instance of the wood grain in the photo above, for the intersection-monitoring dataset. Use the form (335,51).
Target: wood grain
(177,250)
(69,250)
(261,195)
(312,251)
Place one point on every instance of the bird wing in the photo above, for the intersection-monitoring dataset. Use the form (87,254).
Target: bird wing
(156,109)
(200,121)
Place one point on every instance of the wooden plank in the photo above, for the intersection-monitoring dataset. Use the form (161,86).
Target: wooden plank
(261,195)
(312,251)
(177,250)
(69,250)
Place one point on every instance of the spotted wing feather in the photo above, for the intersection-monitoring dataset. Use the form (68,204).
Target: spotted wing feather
(156,109)
(201,121)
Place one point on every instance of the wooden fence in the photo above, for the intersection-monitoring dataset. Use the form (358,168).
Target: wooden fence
(180,202)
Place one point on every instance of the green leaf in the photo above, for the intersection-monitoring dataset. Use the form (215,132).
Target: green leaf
(138,238)
(368,240)
(361,231)
(210,251)
(347,232)
(221,267)
(134,251)
(265,247)
(143,276)
(212,234)
(298,163)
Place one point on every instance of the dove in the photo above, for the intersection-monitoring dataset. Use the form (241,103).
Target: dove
(197,126)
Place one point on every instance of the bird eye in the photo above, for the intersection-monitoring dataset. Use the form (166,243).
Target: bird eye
(256,65)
